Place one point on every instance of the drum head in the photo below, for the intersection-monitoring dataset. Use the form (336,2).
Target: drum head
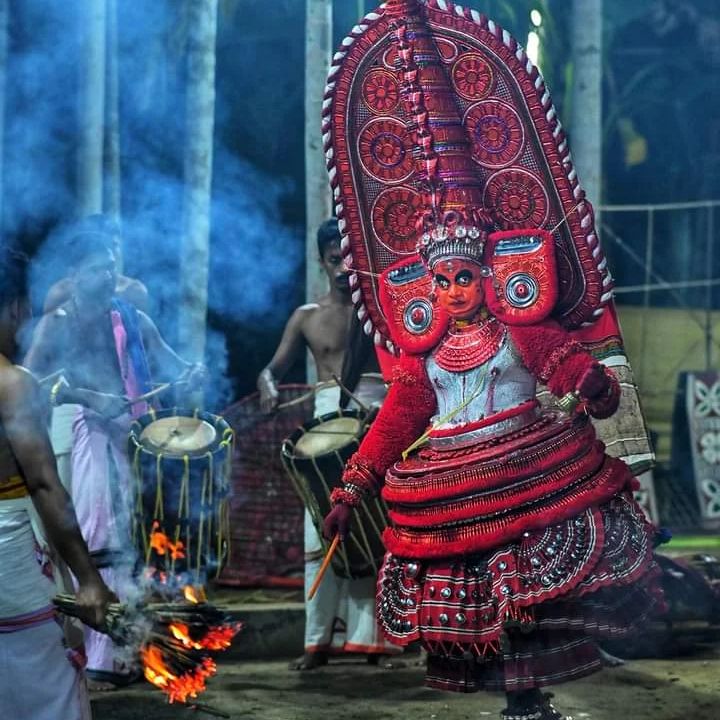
(327,436)
(178,435)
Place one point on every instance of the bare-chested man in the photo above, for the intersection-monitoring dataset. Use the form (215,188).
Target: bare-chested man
(38,680)
(128,289)
(341,616)
(108,352)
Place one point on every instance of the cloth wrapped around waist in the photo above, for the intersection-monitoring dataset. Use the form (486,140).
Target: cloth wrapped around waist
(24,589)
(450,501)
(13,488)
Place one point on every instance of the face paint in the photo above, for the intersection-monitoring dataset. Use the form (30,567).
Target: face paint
(458,288)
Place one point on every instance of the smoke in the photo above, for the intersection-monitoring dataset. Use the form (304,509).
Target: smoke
(253,252)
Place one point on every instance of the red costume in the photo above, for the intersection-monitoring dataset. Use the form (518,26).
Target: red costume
(514,538)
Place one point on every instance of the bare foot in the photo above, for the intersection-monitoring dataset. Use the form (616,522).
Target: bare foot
(609,660)
(309,661)
(100,686)
(421,660)
(386,662)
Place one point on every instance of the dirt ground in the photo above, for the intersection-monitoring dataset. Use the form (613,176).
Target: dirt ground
(682,688)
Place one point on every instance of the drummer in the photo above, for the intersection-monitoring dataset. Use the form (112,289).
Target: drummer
(341,616)
(107,351)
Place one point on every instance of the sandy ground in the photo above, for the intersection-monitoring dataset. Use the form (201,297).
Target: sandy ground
(682,688)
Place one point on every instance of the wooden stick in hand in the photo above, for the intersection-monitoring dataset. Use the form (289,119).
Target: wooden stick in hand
(323,568)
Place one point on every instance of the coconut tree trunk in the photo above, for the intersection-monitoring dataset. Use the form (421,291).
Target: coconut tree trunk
(3,78)
(586,118)
(112,149)
(318,202)
(91,108)
(200,122)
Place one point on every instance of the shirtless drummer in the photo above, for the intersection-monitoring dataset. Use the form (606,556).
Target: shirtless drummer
(341,616)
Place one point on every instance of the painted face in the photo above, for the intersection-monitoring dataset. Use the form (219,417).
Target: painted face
(458,288)
(332,262)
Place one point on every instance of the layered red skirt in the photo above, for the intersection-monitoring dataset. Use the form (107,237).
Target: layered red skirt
(508,556)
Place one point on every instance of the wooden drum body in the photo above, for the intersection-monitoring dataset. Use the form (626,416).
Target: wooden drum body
(181,462)
(314,457)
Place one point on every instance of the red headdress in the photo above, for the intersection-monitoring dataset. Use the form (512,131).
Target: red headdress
(437,128)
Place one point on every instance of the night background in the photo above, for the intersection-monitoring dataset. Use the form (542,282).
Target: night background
(661,144)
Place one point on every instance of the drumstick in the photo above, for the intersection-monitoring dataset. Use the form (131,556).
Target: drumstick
(152,393)
(324,566)
(306,396)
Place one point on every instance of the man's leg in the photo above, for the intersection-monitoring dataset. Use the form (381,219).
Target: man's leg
(39,682)
(320,612)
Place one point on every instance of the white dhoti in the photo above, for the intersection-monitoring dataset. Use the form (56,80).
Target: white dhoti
(101,494)
(341,616)
(38,680)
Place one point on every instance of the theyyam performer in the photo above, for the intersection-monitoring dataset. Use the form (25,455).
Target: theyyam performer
(514,539)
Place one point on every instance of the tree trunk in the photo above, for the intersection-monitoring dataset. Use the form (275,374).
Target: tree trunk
(318,201)
(200,122)
(3,79)
(91,108)
(586,116)
(112,149)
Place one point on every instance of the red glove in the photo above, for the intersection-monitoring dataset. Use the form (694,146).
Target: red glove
(593,383)
(337,521)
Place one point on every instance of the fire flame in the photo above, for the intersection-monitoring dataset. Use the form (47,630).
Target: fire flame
(220,638)
(162,544)
(195,594)
(178,686)
(181,632)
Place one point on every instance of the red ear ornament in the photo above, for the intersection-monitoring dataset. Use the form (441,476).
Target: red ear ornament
(523,286)
(416,325)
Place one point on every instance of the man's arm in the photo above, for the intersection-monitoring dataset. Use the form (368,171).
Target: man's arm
(165,363)
(46,356)
(20,404)
(291,344)
(57,295)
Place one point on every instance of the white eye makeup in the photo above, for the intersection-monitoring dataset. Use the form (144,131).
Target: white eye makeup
(442,282)
(464,278)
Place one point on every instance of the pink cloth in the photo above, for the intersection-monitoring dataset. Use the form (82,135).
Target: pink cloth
(130,381)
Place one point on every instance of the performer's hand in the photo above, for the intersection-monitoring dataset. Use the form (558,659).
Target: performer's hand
(593,383)
(106,404)
(92,600)
(337,521)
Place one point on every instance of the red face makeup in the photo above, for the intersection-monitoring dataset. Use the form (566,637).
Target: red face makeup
(458,288)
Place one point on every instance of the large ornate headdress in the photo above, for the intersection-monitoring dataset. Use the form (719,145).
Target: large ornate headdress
(437,128)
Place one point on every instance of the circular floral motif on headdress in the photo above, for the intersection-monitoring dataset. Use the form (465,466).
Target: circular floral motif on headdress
(380,92)
(473,76)
(394,215)
(385,149)
(517,199)
(496,132)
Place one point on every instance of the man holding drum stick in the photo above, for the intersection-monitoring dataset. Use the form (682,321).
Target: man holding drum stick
(341,616)
(109,351)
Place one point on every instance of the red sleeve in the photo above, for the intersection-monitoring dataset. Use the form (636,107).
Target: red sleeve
(557,360)
(403,417)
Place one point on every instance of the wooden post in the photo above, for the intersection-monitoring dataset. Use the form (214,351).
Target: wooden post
(3,81)
(586,120)
(91,105)
(318,200)
(200,123)
(112,149)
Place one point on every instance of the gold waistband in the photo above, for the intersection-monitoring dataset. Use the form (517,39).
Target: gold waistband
(13,488)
